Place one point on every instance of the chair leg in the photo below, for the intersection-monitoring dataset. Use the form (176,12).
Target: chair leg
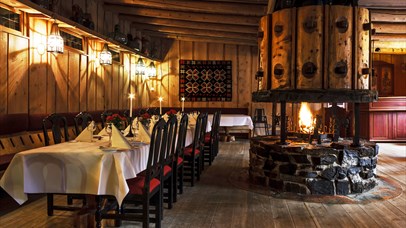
(50,204)
(175,184)
(145,208)
(69,200)
(170,192)
(181,175)
(198,167)
(158,207)
(192,173)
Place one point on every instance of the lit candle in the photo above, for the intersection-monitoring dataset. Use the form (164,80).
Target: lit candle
(183,104)
(160,105)
(131,96)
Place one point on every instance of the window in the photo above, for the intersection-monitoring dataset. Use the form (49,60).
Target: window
(72,41)
(10,19)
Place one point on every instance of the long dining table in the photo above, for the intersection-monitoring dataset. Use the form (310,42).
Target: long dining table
(74,168)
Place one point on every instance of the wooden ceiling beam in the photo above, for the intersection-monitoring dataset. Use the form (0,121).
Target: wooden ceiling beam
(393,28)
(190,24)
(208,39)
(388,16)
(262,2)
(195,32)
(194,6)
(177,15)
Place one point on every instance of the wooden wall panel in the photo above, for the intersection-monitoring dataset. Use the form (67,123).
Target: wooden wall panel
(173,61)
(108,89)
(3,73)
(73,82)
(38,66)
(124,102)
(244,75)
(379,126)
(400,125)
(116,93)
(83,83)
(92,78)
(18,75)
(59,65)
(399,62)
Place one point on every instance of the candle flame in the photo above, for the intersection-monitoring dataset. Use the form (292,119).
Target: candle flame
(131,96)
(183,99)
(160,99)
(306,120)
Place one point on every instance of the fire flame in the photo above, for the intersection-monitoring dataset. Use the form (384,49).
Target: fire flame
(306,120)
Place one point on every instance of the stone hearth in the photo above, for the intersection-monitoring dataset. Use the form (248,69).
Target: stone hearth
(326,169)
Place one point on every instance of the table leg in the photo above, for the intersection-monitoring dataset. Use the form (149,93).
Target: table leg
(98,212)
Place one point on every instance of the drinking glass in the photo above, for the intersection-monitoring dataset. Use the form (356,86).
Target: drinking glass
(91,127)
(134,128)
(109,131)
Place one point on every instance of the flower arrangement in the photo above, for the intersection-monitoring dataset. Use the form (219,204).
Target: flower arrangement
(171,112)
(145,118)
(116,119)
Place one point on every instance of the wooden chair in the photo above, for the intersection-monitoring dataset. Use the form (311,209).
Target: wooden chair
(192,153)
(81,121)
(178,161)
(169,158)
(58,123)
(211,139)
(144,189)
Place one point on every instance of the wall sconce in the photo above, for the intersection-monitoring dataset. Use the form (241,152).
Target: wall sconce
(55,40)
(151,70)
(105,56)
(140,67)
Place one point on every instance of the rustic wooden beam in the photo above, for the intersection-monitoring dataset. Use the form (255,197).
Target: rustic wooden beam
(195,6)
(263,2)
(394,16)
(383,4)
(195,32)
(384,27)
(189,16)
(389,37)
(190,24)
(208,39)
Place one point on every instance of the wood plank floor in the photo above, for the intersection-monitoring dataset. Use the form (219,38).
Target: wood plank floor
(213,202)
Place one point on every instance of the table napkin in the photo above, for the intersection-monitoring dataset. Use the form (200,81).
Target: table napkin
(103,132)
(118,140)
(144,134)
(85,135)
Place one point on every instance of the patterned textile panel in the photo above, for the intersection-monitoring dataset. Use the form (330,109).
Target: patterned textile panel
(205,80)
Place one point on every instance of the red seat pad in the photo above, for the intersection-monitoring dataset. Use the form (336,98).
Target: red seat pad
(136,185)
(188,151)
(167,169)
(180,160)
(207,138)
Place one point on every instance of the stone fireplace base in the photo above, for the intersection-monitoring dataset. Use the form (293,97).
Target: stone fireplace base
(326,169)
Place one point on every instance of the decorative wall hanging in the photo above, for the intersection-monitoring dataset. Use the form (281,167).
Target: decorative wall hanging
(205,80)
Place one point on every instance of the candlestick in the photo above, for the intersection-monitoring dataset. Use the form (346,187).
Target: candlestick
(131,96)
(160,105)
(183,104)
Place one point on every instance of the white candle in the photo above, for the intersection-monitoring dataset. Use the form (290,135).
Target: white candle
(183,104)
(160,105)
(131,96)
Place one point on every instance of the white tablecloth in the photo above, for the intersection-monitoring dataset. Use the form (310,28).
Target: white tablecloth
(234,120)
(73,167)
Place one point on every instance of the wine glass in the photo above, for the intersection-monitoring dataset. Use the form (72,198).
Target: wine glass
(91,127)
(109,131)
(134,128)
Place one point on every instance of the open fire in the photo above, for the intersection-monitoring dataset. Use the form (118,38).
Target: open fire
(306,119)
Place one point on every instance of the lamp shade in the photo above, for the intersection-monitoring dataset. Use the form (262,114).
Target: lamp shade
(105,56)
(55,41)
(140,67)
(151,70)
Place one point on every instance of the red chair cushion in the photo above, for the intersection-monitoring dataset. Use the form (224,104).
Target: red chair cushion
(167,169)
(136,185)
(180,160)
(207,138)
(188,151)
